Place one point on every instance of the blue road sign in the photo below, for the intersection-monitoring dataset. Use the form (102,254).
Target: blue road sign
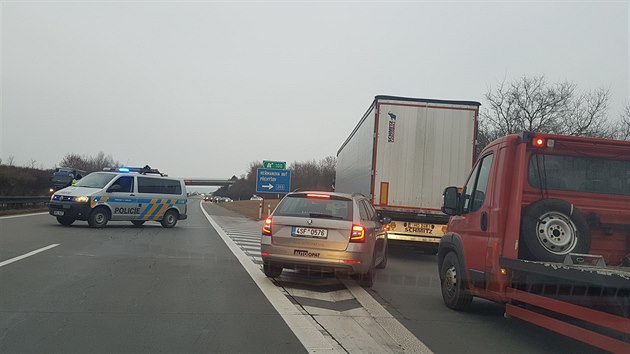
(273,181)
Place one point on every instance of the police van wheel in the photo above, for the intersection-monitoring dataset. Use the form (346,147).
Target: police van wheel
(170,219)
(98,218)
(65,221)
(137,222)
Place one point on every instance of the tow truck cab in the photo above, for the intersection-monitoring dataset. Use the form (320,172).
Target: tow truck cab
(544,220)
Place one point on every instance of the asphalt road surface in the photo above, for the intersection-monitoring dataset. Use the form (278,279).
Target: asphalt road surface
(150,289)
(127,289)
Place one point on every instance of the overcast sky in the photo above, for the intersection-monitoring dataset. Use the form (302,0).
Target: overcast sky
(203,88)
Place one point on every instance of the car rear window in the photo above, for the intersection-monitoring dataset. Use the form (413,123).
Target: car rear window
(301,206)
(579,174)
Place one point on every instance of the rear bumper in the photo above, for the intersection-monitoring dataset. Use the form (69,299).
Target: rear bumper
(77,211)
(414,238)
(313,259)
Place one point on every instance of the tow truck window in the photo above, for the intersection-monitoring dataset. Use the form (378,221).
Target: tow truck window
(475,192)
(579,174)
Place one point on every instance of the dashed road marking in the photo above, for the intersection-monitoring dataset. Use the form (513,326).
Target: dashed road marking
(15,259)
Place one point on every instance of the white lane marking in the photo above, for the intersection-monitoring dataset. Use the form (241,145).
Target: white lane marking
(310,337)
(390,324)
(22,215)
(15,259)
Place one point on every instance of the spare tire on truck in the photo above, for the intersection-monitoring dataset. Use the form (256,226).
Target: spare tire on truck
(551,229)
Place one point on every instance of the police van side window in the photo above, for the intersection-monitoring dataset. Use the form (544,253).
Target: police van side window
(158,186)
(123,184)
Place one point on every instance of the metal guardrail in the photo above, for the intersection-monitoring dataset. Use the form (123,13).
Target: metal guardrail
(23,202)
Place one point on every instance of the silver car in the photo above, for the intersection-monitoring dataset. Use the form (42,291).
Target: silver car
(324,231)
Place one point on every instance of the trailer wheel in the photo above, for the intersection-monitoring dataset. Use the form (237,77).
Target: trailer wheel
(454,290)
(551,229)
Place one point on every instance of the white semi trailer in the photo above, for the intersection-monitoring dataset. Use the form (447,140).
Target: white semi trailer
(402,154)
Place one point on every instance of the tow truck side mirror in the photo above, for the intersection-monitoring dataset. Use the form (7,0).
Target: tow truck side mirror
(450,200)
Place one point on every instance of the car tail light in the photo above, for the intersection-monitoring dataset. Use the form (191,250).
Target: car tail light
(320,196)
(358,234)
(266,229)
(265,254)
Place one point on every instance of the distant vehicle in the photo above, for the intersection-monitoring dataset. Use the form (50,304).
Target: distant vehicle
(207,198)
(132,194)
(327,231)
(542,225)
(62,177)
(255,197)
(226,199)
(402,154)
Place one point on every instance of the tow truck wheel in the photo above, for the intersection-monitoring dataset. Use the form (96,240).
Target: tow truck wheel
(454,289)
(170,219)
(551,229)
(65,221)
(98,218)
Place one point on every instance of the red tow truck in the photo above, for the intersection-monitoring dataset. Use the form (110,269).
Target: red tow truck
(543,225)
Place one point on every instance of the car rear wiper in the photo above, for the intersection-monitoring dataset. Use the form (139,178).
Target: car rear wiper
(320,215)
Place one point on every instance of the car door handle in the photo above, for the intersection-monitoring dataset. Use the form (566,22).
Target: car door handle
(132,195)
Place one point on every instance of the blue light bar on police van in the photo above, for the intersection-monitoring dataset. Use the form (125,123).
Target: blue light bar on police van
(143,170)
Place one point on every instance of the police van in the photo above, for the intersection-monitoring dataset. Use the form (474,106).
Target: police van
(122,194)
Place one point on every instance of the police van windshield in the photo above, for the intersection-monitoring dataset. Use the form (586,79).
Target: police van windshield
(95,180)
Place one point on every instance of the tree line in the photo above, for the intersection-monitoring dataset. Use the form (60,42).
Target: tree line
(32,181)
(533,104)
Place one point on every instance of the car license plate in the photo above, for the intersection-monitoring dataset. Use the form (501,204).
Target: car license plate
(309,232)
(58,212)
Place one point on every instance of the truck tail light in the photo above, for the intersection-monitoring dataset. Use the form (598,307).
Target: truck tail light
(266,229)
(539,142)
(358,234)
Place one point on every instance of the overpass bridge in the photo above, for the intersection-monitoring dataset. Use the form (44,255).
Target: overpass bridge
(208,182)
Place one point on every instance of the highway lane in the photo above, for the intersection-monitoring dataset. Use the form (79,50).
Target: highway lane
(409,288)
(127,289)
(152,289)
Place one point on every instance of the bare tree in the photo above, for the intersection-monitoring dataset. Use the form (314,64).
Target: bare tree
(87,163)
(11,160)
(531,104)
(622,129)
(32,163)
